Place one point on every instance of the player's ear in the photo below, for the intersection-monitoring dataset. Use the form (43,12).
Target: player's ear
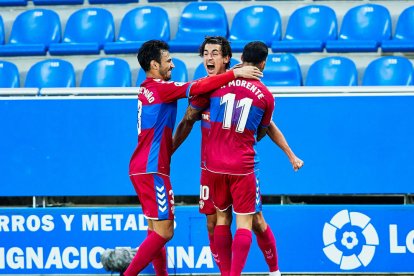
(226,60)
(154,65)
(262,65)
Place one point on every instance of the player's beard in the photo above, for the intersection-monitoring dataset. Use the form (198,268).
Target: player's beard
(166,75)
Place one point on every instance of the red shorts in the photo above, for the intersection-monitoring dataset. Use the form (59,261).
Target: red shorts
(241,191)
(155,194)
(206,205)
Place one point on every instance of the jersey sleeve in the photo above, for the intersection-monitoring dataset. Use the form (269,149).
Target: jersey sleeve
(200,102)
(270,106)
(206,85)
(170,91)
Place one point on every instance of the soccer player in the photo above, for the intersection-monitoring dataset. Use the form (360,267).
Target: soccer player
(217,53)
(240,113)
(149,167)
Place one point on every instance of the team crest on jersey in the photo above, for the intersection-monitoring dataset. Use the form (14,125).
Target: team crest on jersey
(205,116)
(179,83)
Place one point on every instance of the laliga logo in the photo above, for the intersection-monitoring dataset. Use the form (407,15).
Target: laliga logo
(350,240)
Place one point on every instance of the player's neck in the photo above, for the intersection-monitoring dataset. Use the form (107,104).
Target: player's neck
(152,74)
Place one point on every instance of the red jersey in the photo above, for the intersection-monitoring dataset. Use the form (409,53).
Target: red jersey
(236,112)
(157,110)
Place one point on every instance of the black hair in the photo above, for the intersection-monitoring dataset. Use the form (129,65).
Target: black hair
(219,40)
(151,50)
(255,52)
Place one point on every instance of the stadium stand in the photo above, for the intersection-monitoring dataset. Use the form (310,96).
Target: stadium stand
(256,22)
(403,39)
(139,25)
(332,71)
(363,29)
(57,2)
(282,70)
(9,75)
(51,73)
(201,72)
(32,33)
(179,73)
(86,32)
(107,72)
(198,20)
(308,29)
(389,71)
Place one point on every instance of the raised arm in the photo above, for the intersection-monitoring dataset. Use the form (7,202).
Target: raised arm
(185,126)
(206,85)
(279,139)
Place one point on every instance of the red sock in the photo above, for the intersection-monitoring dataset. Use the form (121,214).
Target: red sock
(267,244)
(222,242)
(160,261)
(240,250)
(214,250)
(147,251)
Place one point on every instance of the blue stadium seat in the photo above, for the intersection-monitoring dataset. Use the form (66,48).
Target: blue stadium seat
(363,29)
(2,36)
(282,70)
(107,72)
(58,2)
(9,75)
(403,39)
(197,20)
(111,1)
(308,30)
(51,73)
(389,70)
(201,72)
(13,2)
(332,71)
(137,26)
(256,22)
(179,73)
(32,33)
(86,32)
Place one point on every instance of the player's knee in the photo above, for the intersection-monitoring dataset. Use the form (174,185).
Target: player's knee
(211,223)
(168,234)
(259,223)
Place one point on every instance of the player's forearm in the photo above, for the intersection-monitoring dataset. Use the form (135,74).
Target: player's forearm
(213,82)
(261,133)
(279,139)
(183,130)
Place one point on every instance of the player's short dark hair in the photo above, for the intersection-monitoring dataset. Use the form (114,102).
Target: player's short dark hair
(255,52)
(151,50)
(219,40)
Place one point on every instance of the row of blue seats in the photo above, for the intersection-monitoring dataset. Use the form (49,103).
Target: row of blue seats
(74,2)
(281,70)
(313,28)
(81,2)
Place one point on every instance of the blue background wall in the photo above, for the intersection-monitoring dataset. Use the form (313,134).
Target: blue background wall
(81,146)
